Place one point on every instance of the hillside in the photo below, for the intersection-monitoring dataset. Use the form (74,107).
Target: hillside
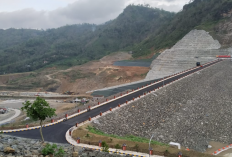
(209,15)
(141,29)
(77,44)
(11,37)
(79,79)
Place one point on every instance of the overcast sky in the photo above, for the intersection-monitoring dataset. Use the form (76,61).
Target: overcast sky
(55,13)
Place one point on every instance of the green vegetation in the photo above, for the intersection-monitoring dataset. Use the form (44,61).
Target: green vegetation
(142,60)
(105,147)
(53,150)
(117,146)
(140,28)
(129,138)
(87,135)
(39,110)
(77,44)
(198,13)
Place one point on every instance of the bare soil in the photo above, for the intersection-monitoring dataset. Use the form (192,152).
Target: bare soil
(61,108)
(78,79)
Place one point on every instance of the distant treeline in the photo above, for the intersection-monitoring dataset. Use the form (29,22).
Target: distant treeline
(140,28)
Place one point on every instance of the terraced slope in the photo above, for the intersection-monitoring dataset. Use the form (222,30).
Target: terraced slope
(196,46)
(192,111)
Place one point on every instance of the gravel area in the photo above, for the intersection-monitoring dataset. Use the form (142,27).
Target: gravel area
(192,111)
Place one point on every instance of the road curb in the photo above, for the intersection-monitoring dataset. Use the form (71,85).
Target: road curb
(113,99)
(222,149)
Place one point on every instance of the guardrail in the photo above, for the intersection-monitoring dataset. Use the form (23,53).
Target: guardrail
(222,149)
(79,112)
(70,131)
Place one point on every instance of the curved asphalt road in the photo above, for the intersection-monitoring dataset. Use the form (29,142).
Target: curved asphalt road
(56,133)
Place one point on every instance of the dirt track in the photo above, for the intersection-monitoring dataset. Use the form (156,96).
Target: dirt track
(78,79)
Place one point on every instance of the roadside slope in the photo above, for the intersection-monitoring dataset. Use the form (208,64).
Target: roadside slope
(193,111)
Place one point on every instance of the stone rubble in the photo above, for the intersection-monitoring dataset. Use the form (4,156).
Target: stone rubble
(192,111)
(11,146)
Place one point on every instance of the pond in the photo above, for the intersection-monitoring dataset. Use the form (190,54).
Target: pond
(139,63)
(132,63)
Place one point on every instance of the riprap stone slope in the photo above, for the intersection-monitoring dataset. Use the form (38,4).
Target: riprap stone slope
(192,111)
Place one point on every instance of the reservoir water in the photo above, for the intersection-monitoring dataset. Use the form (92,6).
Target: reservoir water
(132,63)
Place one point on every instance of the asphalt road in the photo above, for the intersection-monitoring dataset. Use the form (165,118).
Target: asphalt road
(56,133)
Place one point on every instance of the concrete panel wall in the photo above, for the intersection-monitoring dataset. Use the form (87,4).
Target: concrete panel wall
(196,46)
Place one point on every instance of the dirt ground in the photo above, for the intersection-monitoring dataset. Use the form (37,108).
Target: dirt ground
(93,139)
(101,74)
(79,79)
(59,106)
(16,104)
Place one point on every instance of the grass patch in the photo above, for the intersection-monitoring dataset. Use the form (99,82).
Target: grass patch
(128,138)
(74,75)
(144,75)
(142,60)
(208,26)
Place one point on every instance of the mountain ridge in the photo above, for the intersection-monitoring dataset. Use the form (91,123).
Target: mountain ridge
(141,29)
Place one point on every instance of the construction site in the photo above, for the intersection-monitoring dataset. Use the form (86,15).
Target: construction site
(184,110)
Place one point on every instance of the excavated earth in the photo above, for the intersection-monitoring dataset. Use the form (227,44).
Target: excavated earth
(79,79)
(192,111)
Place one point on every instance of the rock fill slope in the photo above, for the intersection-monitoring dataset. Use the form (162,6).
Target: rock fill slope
(192,111)
(196,46)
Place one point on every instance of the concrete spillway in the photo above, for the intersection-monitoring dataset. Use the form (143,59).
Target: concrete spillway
(196,46)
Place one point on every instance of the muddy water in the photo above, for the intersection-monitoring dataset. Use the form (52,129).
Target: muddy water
(132,63)
(139,63)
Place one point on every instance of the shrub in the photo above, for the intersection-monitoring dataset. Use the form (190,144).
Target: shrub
(105,147)
(60,152)
(53,150)
(117,146)
(49,149)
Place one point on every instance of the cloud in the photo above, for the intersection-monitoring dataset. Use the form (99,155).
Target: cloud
(169,5)
(81,11)
(78,11)
(91,10)
(26,18)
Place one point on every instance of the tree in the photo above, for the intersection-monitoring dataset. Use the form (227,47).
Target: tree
(39,110)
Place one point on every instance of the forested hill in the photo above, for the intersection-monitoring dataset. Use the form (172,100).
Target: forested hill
(77,44)
(141,29)
(199,14)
